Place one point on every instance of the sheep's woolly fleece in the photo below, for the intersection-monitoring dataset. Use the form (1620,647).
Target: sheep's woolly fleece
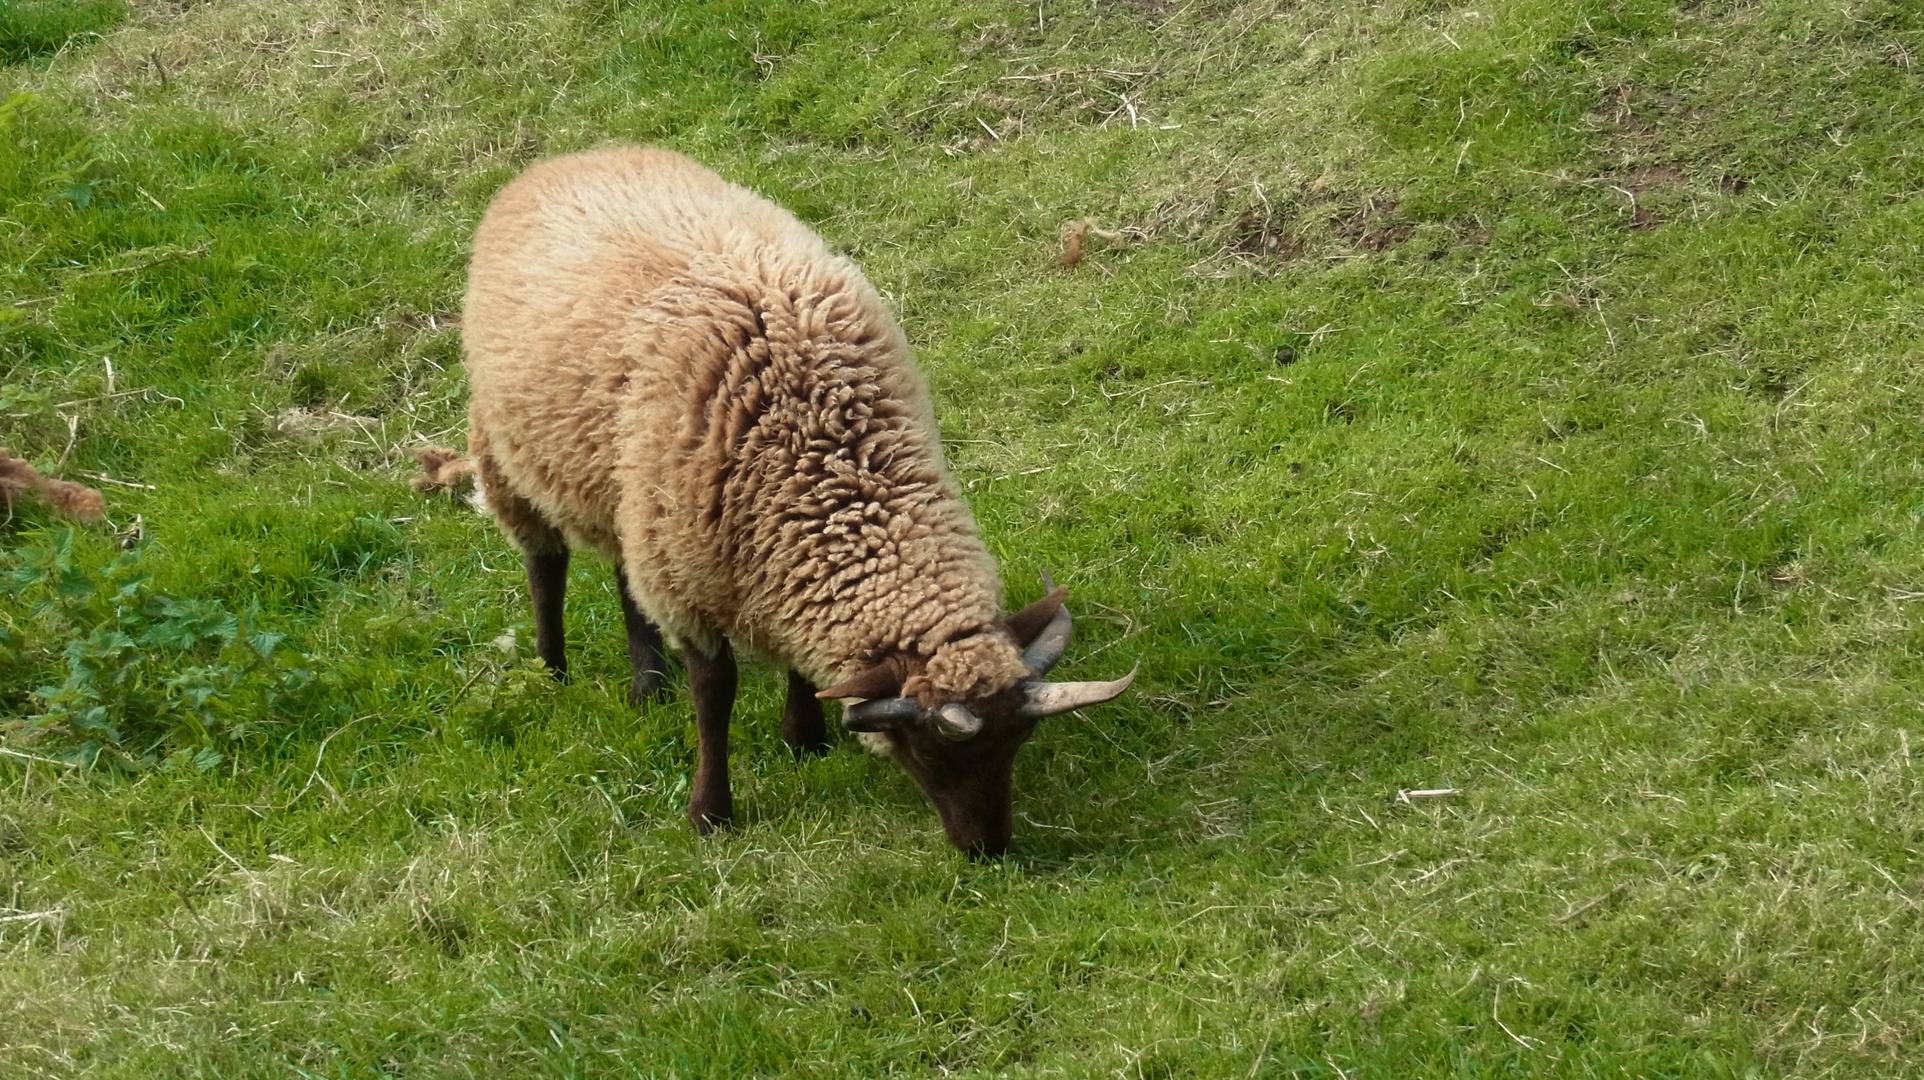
(676,372)
(77,501)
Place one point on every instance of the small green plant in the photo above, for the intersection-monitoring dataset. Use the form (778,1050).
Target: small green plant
(145,675)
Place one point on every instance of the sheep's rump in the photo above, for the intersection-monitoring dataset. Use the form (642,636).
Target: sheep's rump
(674,371)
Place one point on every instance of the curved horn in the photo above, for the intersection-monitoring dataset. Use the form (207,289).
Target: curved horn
(1049,699)
(957,723)
(1050,644)
(880,714)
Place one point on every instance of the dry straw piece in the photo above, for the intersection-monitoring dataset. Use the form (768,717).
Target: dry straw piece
(83,504)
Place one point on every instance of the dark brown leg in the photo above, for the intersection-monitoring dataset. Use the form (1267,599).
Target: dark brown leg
(547,581)
(711,679)
(644,649)
(802,725)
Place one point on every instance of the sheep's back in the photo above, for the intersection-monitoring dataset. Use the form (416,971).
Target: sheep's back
(563,260)
(668,365)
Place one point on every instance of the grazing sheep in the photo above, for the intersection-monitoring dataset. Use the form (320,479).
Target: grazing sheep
(675,372)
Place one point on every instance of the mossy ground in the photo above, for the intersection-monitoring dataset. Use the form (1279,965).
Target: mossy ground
(1519,400)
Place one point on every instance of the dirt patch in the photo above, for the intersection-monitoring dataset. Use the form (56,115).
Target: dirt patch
(1372,226)
(1653,179)
(1256,233)
(1658,184)
(1473,233)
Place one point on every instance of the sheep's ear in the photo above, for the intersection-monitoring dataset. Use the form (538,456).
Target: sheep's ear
(884,680)
(1024,625)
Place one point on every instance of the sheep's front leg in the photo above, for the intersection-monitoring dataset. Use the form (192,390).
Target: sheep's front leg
(547,581)
(711,679)
(644,649)
(802,725)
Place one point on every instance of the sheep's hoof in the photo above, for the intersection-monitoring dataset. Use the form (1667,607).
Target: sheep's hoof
(648,688)
(711,819)
(807,748)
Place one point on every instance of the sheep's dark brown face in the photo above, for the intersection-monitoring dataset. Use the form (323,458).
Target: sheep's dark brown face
(962,753)
(971,782)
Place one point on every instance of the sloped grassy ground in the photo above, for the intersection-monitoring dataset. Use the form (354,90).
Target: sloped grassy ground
(1520,400)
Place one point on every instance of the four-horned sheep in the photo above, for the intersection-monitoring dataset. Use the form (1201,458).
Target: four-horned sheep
(675,372)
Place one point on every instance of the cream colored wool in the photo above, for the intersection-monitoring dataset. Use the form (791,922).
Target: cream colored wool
(676,372)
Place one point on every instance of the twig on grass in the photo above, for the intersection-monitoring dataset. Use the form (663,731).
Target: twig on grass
(1577,912)
(159,260)
(316,774)
(1428,874)
(1205,911)
(24,756)
(189,905)
(119,394)
(223,851)
(479,670)
(1494,1004)
(73,434)
(26,915)
(105,479)
(1120,394)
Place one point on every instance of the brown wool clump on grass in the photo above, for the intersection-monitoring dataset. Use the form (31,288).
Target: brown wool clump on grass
(443,471)
(68,499)
(1072,235)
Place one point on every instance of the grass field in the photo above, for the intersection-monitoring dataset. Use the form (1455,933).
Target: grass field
(1520,400)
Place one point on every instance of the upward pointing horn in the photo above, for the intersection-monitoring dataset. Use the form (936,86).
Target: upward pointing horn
(1048,647)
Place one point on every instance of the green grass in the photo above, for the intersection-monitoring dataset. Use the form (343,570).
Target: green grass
(33,28)
(1590,487)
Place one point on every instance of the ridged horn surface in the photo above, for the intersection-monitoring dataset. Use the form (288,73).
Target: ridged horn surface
(957,723)
(1051,699)
(880,714)
(1048,646)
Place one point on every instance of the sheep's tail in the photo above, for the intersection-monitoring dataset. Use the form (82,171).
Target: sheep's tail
(443,471)
(77,501)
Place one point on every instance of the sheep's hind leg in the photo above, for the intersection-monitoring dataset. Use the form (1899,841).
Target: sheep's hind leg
(802,725)
(644,649)
(547,582)
(711,679)
(544,552)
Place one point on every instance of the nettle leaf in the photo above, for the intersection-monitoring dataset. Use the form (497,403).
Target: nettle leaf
(74,582)
(105,643)
(200,759)
(197,686)
(44,563)
(105,652)
(265,642)
(186,623)
(15,398)
(95,718)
